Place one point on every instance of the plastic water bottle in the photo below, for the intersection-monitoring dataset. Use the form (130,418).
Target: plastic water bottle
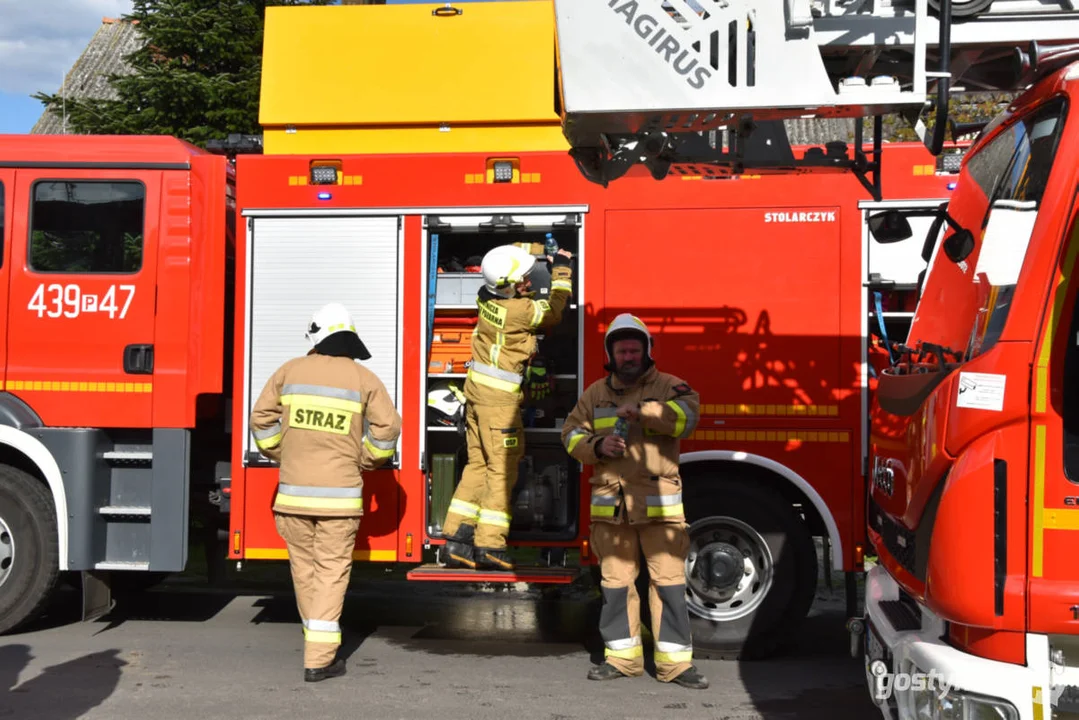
(550,245)
(621,428)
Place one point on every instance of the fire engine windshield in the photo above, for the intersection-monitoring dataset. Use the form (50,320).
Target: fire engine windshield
(998,199)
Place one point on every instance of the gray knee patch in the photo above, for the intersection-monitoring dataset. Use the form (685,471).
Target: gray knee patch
(614,616)
(674,626)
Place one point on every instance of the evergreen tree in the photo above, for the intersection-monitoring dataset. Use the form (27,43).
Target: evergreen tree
(195,77)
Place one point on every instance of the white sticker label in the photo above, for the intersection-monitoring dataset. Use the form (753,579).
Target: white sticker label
(70,301)
(981,391)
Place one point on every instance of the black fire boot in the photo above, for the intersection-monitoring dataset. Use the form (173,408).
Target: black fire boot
(493,559)
(459,551)
(691,678)
(334,669)
(606,671)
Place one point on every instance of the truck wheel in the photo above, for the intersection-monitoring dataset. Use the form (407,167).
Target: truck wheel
(961,8)
(751,573)
(29,557)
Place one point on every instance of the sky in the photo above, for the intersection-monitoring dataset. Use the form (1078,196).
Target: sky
(40,41)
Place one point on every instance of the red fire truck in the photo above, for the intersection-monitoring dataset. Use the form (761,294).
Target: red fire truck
(152,287)
(974,501)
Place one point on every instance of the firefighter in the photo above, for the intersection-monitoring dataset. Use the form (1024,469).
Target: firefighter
(478,519)
(326,419)
(629,426)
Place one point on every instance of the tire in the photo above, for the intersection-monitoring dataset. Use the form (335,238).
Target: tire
(762,615)
(961,8)
(29,557)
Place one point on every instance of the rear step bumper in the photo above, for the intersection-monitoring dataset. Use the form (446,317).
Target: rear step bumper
(919,649)
(534,575)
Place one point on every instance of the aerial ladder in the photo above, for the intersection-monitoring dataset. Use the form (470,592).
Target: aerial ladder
(703,87)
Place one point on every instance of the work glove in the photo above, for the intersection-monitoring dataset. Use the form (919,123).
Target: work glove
(539,384)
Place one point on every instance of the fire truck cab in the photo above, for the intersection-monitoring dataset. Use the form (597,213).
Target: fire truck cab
(974,477)
(113,273)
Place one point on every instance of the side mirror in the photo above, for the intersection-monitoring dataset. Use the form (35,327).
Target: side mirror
(959,245)
(890,226)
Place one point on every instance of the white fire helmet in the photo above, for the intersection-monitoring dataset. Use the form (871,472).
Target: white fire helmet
(627,325)
(334,318)
(505,266)
(444,404)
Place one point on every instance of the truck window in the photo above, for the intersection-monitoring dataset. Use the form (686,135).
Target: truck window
(1028,149)
(86,226)
(988,165)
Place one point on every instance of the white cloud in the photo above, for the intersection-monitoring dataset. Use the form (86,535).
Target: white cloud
(40,40)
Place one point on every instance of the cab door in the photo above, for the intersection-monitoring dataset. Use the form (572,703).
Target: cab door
(7,210)
(83,295)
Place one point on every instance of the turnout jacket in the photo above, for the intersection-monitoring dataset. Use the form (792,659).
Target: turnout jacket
(644,485)
(327,420)
(505,338)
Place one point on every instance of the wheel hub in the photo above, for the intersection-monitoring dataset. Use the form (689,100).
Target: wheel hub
(722,566)
(7,551)
(729,569)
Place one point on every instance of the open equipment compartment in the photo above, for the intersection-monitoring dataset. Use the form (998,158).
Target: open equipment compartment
(546,497)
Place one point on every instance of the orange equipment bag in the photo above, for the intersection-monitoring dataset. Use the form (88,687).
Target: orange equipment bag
(451,346)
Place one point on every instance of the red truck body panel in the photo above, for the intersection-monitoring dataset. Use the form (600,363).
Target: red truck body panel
(753,288)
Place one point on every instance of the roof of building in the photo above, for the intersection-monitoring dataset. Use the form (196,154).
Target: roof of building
(89,76)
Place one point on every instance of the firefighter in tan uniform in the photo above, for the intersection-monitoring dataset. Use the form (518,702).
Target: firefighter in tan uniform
(478,519)
(326,419)
(628,426)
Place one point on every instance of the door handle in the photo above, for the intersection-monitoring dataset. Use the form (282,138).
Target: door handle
(139,359)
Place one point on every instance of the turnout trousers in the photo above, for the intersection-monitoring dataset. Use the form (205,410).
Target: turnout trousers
(665,547)
(495,436)
(320,558)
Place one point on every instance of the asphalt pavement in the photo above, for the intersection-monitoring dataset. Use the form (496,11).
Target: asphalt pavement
(415,650)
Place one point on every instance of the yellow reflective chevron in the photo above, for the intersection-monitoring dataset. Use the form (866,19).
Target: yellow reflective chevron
(540,308)
(321,636)
(464,509)
(604,505)
(574,438)
(665,505)
(268,438)
(325,402)
(494,517)
(320,498)
(680,422)
(379,448)
(673,657)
